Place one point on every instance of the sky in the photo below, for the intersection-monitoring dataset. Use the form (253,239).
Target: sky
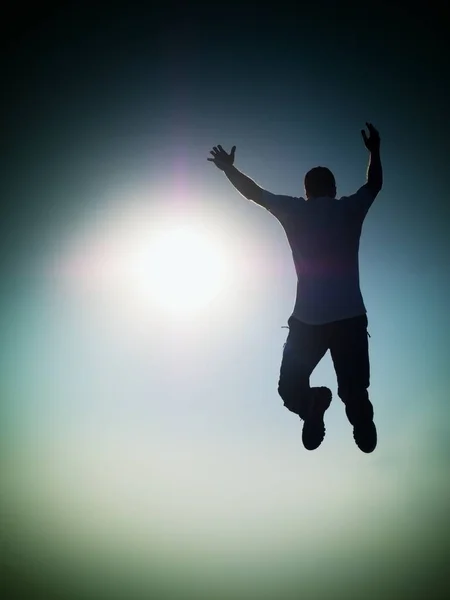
(145,451)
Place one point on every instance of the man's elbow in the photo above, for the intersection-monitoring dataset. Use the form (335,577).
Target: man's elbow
(375,186)
(255,194)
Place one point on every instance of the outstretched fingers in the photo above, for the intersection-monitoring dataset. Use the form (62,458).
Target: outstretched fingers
(216,153)
(220,155)
(372,129)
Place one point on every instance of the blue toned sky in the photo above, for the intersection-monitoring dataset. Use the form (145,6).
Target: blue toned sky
(148,451)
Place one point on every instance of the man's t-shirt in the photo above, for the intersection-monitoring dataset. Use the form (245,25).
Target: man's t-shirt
(324,234)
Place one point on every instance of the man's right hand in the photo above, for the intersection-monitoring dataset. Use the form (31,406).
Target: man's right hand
(222,159)
(371,141)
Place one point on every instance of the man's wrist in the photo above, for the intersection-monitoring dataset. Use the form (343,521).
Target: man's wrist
(229,169)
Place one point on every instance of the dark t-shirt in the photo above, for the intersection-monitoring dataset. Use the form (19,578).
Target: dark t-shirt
(324,234)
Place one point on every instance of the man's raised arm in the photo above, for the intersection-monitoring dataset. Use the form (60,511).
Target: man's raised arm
(244,185)
(374,170)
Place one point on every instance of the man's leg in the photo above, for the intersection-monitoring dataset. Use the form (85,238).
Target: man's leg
(305,347)
(349,349)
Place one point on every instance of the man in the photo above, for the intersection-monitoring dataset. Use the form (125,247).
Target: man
(329,313)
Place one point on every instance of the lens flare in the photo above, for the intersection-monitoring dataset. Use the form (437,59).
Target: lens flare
(181,269)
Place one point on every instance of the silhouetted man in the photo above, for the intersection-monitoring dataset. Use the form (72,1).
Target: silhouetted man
(329,313)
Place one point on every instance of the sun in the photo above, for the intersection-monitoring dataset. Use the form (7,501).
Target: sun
(183,270)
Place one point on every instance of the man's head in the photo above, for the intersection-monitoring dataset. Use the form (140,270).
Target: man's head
(320,182)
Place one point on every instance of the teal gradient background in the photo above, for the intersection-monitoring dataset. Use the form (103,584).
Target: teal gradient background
(145,456)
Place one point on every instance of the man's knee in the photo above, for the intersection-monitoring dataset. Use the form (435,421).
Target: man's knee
(293,383)
(294,392)
(350,394)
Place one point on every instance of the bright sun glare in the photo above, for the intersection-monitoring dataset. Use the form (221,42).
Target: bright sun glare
(182,269)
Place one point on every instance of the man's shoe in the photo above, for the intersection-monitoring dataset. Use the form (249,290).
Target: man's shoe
(365,436)
(314,427)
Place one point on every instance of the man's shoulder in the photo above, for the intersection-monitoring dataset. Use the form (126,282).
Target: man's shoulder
(363,193)
(281,205)
(360,201)
(283,197)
